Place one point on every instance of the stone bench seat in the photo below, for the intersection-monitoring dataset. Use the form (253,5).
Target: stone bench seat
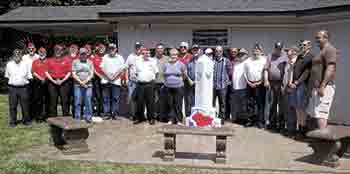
(170,132)
(69,135)
(330,144)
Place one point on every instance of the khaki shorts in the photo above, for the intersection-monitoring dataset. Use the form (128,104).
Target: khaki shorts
(319,107)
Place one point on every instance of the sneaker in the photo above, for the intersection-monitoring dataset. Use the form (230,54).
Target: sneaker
(180,124)
(170,122)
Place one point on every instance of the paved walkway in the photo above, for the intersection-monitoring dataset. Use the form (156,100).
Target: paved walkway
(122,142)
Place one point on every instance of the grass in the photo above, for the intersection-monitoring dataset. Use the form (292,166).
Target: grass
(22,138)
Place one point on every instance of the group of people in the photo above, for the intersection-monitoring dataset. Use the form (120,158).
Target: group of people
(296,82)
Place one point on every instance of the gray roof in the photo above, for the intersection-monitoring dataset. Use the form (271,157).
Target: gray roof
(52,13)
(142,6)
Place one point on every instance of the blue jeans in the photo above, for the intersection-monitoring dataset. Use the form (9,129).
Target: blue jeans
(239,99)
(111,96)
(296,98)
(85,94)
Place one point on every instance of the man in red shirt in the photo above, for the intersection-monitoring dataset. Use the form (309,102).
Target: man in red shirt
(184,56)
(73,52)
(58,73)
(40,95)
(97,88)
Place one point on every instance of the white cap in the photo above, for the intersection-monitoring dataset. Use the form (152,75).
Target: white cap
(184,44)
(208,51)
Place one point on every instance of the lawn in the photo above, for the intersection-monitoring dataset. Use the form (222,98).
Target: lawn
(21,138)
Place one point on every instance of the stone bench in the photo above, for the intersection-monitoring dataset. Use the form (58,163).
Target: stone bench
(170,132)
(330,144)
(69,135)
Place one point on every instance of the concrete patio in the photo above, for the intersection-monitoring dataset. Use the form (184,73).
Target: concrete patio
(120,141)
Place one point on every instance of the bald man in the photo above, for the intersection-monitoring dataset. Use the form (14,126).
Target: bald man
(322,80)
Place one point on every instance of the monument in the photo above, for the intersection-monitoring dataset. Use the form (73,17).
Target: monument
(203,113)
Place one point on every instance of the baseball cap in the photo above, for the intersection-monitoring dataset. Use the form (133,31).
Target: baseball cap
(83,51)
(112,45)
(195,46)
(138,45)
(243,51)
(293,47)
(208,51)
(278,45)
(184,44)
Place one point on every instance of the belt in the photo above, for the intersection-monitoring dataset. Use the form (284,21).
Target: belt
(18,86)
(145,83)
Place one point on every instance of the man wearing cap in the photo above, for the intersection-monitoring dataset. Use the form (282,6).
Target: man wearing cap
(18,74)
(254,75)
(97,98)
(130,62)
(273,76)
(300,78)
(112,66)
(239,91)
(184,56)
(222,69)
(189,91)
(291,95)
(82,73)
(146,71)
(40,94)
(160,96)
(58,72)
(233,52)
(322,79)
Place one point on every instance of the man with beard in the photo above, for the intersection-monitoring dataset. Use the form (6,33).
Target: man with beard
(322,80)
(58,73)
(18,74)
(97,88)
(40,95)
(273,79)
(184,56)
(160,98)
(189,89)
(233,52)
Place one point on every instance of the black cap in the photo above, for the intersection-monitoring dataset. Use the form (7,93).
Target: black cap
(278,45)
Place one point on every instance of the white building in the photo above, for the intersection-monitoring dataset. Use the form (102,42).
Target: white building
(232,23)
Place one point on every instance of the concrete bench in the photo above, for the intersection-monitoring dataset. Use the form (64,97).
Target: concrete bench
(170,132)
(69,135)
(330,144)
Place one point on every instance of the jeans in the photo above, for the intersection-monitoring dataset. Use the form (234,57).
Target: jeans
(18,94)
(63,91)
(189,94)
(291,118)
(131,99)
(97,98)
(239,99)
(221,95)
(174,102)
(111,96)
(86,95)
(277,109)
(259,94)
(160,107)
(228,101)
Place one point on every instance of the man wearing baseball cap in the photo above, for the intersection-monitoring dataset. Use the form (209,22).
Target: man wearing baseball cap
(273,80)
(184,56)
(40,93)
(58,72)
(130,62)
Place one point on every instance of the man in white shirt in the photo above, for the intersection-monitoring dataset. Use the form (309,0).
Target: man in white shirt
(146,71)
(113,67)
(18,74)
(239,92)
(254,75)
(130,62)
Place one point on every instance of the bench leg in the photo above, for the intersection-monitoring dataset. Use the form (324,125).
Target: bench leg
(345,148)
(56,138)
(169,147)
(327,152)
(220,149)
(75,141)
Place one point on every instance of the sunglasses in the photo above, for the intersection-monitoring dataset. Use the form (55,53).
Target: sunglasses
(182,47)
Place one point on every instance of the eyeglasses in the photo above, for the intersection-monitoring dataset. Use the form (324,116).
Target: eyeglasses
(182,47)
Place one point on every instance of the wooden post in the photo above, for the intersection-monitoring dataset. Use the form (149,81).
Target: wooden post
(169,147)
(220,149)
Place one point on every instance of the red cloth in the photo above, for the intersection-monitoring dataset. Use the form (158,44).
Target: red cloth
(59,68)
(40,67)
(96,60)
(185,58)
(202,120)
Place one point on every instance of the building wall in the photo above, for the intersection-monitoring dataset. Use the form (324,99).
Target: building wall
(172,35)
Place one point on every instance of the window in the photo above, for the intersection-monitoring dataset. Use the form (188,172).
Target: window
(210,37)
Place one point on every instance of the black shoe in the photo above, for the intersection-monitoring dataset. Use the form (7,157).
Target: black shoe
(88,121)
(12,125)
(260,125)
(27,123)
(138,121)
(152,122)
(248,124)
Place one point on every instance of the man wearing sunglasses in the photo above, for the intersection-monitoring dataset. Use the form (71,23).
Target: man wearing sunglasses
(184,56)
